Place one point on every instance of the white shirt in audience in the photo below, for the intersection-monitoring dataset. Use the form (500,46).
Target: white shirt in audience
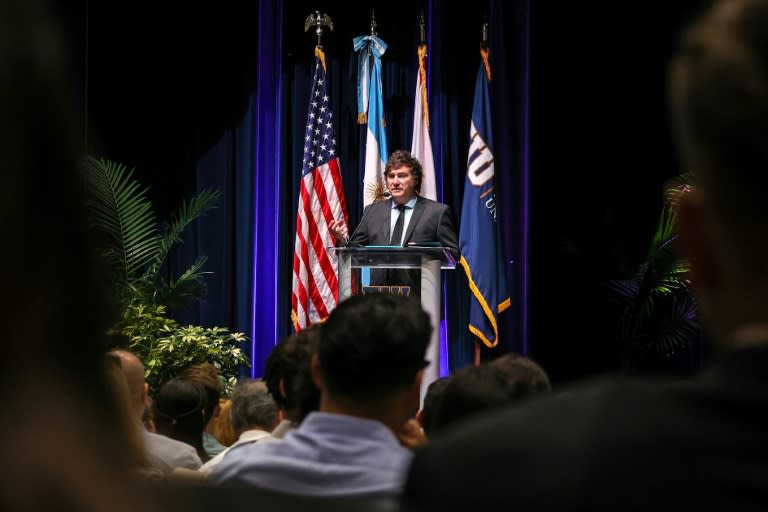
(249,436)
(166,454)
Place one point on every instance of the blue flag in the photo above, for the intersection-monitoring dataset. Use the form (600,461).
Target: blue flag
(481,251)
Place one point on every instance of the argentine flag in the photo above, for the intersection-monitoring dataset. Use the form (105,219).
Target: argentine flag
(376,150)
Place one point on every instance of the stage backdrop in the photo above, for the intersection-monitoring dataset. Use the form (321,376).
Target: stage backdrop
(217,97)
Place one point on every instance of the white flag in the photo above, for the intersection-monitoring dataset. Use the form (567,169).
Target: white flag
(421,145)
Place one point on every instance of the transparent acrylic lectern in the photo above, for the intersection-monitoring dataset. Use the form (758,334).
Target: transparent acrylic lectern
(429,260)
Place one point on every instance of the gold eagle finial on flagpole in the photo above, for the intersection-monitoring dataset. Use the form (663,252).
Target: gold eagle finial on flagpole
(318,21)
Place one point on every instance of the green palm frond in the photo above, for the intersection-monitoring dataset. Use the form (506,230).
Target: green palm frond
(677,325)
(120,210)
(663,272)
(187,212)
(659,313)
(136,248)
(133,243)
(189,285)
(665,230)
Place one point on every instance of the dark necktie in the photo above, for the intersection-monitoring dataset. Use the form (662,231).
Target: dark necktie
(397,233)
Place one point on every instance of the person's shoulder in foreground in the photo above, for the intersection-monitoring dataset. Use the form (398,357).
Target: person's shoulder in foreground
(607,444)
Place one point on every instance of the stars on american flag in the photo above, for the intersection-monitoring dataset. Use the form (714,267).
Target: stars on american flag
(319,138)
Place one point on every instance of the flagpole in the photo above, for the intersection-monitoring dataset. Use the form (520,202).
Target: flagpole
(483,48)
(373,23)
(422,29)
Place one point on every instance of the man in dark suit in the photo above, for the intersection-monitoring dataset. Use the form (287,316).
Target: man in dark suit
(697,445)
(405,218)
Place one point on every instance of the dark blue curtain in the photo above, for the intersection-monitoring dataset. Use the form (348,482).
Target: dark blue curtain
(510,44)
(243,238)
(182,104)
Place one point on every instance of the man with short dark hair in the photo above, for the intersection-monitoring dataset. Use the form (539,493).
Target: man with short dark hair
(369,365)
(523,377)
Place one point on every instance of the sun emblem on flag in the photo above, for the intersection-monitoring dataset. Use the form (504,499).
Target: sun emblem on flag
(376,192)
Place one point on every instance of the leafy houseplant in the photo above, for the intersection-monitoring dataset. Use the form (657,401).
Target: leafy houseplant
(135,247)
(167,347)
(659,314)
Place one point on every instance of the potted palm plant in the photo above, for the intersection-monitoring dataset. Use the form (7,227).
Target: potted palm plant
(135,246)
(659,316)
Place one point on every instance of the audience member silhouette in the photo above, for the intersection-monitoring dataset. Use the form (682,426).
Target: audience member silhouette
(123,400)
(207,375)
(523,377)
(288,379)
(163,453)
(253,415)
(469,391)
(509,379)
(642,445)
(180,413)
(68,448)
(432,399)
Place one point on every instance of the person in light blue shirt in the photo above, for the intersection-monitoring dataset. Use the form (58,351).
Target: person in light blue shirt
(368,366)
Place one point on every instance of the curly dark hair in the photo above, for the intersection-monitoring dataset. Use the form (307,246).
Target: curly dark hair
(403,158)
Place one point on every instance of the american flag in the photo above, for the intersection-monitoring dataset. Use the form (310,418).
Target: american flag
(321,199)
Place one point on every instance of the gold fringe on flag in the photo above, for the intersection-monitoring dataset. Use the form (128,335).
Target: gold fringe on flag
(484,53)
(321,55)
(423,74)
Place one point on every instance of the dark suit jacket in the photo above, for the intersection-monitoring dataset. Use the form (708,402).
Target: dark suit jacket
(430,222)
(614,445)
